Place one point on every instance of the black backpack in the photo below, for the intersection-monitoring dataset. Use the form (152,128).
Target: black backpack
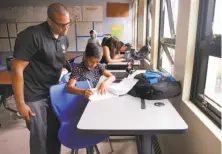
(139,55)
(154,85)
(142,53)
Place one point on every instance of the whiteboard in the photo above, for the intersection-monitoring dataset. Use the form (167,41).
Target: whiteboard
(8,14)
(92,13)
(70,10)
(4,45)
(25,14)
(82,42)
(40,14)
(33,15)
(3,30)
(22,26)
(3,13)
(72,39)
(12,41)
(83,28)
(77,13)
(12,30)
(98,26)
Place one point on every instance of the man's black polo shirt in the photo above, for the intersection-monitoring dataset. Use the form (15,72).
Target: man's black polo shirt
(45,55)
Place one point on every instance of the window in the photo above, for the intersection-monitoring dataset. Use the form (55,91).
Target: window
(149,25)
(207,77)
(135,21)
(168,22)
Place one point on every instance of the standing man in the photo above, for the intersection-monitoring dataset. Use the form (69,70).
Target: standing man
(37,65)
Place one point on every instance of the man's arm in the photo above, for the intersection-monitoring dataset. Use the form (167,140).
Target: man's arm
(74,90)
(18,67)
(26,45)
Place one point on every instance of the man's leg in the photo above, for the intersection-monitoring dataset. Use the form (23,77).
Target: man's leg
(38,127)
(53,143)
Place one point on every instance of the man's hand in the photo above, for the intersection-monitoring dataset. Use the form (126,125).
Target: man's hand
(88,93)
(25,111)
(103,88)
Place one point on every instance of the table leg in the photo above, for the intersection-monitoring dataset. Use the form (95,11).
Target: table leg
(97,149)
(146,144)
(72,151)
(89,150)
(138,144)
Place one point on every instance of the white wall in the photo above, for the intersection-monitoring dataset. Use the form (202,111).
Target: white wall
(19,15)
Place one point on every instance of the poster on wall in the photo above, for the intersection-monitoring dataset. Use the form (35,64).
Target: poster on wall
(117,30)
(77,13)
(92,13)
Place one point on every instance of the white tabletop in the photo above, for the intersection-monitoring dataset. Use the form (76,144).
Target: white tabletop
(136,63)
(129,76)
(123,115)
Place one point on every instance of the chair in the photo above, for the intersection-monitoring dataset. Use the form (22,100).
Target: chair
(65,78)
(64,72)
(69,109)
(76,60)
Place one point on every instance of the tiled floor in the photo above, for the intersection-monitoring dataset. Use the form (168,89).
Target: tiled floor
(14,138)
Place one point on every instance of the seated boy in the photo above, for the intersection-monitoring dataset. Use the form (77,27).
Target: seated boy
(90,69)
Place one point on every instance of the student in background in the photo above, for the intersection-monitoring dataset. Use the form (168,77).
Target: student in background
(93,39)
(125,47)
(90,69)
(111,51)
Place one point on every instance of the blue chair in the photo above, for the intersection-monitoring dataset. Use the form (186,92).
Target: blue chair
(76,60)
(65,78)
(69,109)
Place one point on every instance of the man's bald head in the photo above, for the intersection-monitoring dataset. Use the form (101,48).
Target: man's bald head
(56,8)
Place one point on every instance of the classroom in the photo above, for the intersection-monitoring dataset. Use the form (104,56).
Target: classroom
(108,76)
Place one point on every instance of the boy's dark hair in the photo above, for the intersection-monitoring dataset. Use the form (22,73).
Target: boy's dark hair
(93,50)
(104,40)
(90,32)
(113,43)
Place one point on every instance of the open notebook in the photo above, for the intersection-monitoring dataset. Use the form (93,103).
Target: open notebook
(115,89)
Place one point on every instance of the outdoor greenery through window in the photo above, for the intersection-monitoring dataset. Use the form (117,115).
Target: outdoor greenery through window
(207,75)
(168,23)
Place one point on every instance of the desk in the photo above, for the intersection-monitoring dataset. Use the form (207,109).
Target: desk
(5,88)
(5,77)
(129,76)
(121,65)
(124,116)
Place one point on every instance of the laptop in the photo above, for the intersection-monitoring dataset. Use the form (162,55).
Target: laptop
(119,76)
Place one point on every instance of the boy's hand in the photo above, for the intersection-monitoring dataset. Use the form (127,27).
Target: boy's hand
(88,93)
(103,88)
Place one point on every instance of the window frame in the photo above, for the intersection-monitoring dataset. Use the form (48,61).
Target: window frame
(204,35)
(165,42)
(148,35)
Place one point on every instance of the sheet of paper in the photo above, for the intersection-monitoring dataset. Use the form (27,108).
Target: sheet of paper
(123,87)
(115,89)
(96,96)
